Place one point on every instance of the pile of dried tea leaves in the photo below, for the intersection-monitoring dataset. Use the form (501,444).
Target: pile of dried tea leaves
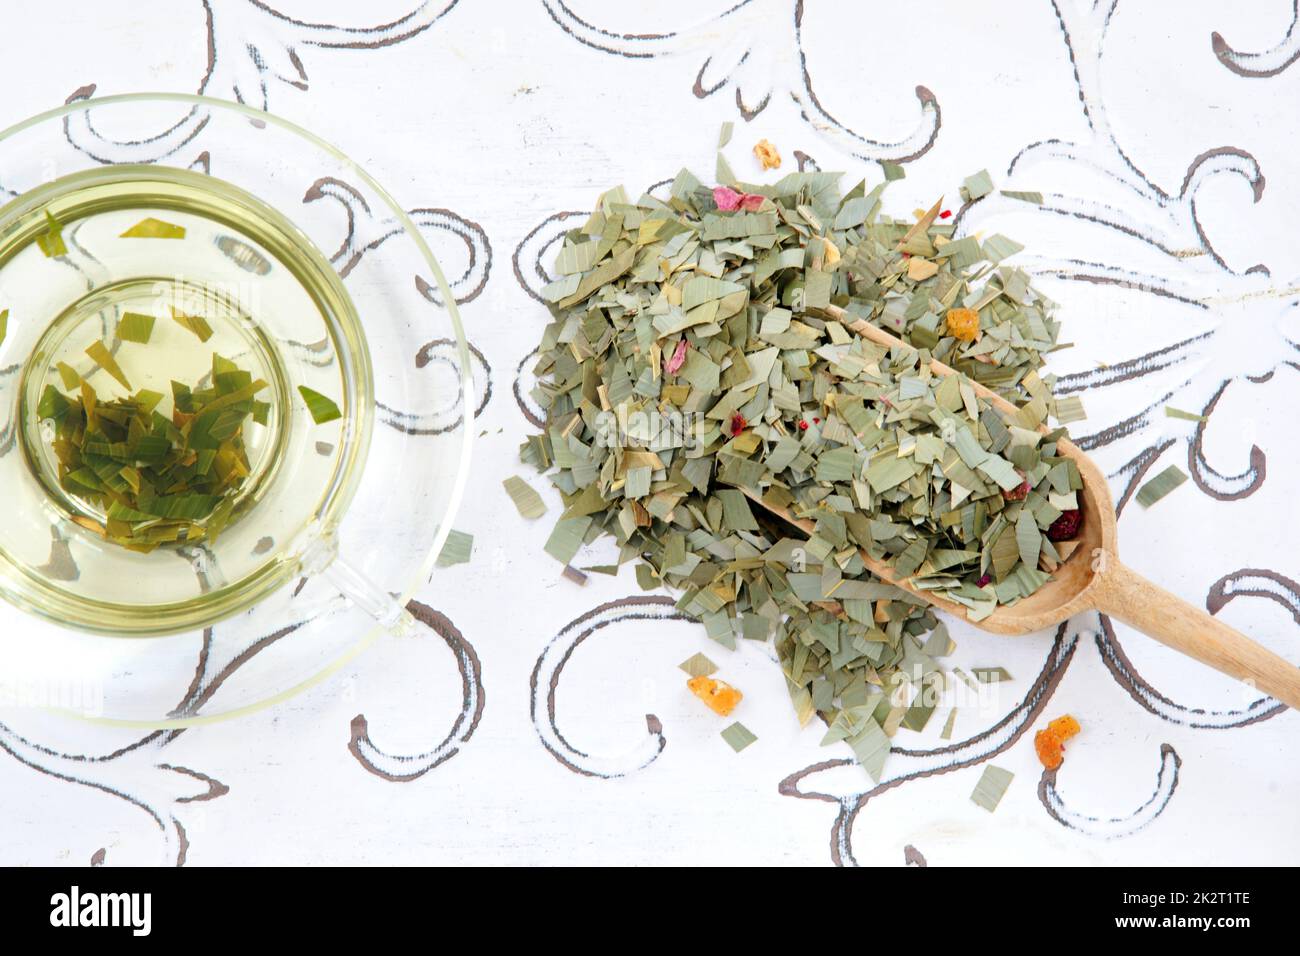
(701,376)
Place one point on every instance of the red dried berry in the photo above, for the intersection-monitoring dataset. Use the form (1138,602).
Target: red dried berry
(738,424)
(984,579)
(1018,493)
(1065,527)
(803,426)
(945,214)
(817,421)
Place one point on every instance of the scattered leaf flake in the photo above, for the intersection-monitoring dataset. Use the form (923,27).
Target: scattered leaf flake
(723,172)
(1159,486)
(738,736)
(919,712)
(1171,412)
(151,228)
(999,247)
(70,376)
(697,665)
(527,501)
(51,240)
(1070,409)
(991,675)
(321,408)
(977,186)
(196,324)
(871,745)
(566,539)
(458,549)
(101,356)
(992,786)
(135,327)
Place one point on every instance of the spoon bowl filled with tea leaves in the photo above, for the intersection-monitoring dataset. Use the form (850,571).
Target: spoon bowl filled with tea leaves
(818,424)
(1094,578)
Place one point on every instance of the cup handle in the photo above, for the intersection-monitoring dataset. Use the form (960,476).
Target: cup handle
(369,597)
(318,556)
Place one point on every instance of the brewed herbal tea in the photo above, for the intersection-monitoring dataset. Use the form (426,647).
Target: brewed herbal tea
(178,356)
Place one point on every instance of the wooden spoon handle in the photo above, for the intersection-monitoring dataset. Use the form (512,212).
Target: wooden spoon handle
(1125,594)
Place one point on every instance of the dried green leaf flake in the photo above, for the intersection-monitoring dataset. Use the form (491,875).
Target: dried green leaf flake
(458,549)
(50,241)
(135,327)
(991,787)
(101,356)
(195,324)
(151,228)
(566,538)
(1161,485)
(738,736)
(526,499)
(697,665)
(1171,412)
(977,186)
(321,408)
(871,746)
(70,376)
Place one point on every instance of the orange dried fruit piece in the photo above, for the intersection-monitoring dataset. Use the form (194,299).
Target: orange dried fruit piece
(718,695)
(1050,743)
(767,154)
(964,324)
(830,253)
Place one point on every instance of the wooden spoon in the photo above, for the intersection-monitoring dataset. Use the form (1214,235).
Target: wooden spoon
(1093,578)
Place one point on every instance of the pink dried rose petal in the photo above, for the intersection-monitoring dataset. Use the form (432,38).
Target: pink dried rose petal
(675,361)
(726,199)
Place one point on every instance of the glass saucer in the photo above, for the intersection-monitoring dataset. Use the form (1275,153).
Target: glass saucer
(351,515)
